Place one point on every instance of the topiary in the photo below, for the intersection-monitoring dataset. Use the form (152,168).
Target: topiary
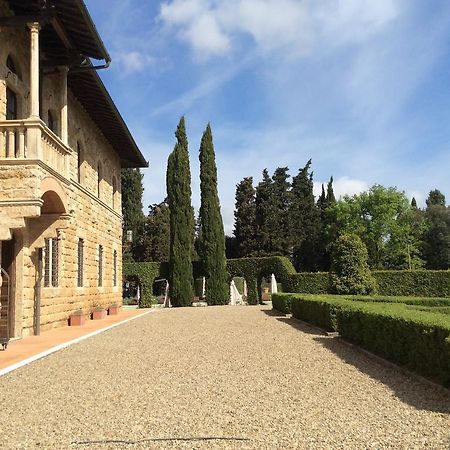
(350,273)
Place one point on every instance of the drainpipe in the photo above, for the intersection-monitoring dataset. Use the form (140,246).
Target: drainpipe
(37,326)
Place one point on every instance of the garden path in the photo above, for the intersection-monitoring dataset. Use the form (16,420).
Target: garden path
(218,377)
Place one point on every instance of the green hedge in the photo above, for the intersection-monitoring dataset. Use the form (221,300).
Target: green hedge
(254,269)
(282,303)
(428,283)
(310,282)
(146,273)
(417,340)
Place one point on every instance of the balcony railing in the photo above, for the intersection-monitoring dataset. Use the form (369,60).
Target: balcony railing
(31,140)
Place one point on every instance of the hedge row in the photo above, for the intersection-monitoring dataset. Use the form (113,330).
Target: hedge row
(427,283)
(417,340)
(281,303)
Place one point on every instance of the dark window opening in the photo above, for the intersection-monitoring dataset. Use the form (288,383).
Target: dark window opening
(51,263)
(11,105)
(51,122)
(11,66)
(80,262)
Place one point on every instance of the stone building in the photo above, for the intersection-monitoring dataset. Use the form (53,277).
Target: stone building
(62,146)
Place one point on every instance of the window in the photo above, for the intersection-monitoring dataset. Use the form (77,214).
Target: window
(51,263)
(80,262)
(51,121)
(100,265)
(115,268)
(11,66)
(79,161)
(11,105)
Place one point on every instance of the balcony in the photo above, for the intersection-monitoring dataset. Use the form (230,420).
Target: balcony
(31,141)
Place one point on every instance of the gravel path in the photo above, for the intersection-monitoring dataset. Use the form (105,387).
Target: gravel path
(217,377)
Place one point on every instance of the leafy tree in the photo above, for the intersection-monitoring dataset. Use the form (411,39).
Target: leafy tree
(305,222)
(435,198)
(436,247)
(181,221)
(133,216)
(156,240)
(245,218)
(382,218)
(350,273)
(213,236)
(266,212)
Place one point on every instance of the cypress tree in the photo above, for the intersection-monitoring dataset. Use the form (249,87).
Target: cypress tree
(330,199)
(181,221)
(305,222)
(245,218)
(266,216)
(156,240)
(213,236)
(133,215)
(413,203)
(281,222)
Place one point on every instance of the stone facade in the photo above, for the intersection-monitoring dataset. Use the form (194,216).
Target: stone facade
(54,190)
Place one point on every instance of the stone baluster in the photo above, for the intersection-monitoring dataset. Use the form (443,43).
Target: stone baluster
(21,147)
(2,144)
(11,149)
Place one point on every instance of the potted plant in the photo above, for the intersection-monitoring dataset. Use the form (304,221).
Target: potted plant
(77,318)
(98,313)
(113,309)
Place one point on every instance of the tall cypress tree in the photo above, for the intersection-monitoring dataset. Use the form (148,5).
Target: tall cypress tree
(181,221)
(213,236)
(266,216)
(281,199)
(305,222)
(156,240)
(245,218)
(330,193)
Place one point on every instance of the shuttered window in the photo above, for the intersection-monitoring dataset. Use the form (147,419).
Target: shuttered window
(80,261)
(100,265)
(51,263)
(115,268)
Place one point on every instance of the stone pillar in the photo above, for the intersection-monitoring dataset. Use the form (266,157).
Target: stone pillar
(64,121)
(34,70)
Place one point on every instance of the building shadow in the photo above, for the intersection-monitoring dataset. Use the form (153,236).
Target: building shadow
(407,388)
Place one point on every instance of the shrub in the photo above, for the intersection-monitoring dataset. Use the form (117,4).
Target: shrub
(310,282)
(417,340)
(350,273)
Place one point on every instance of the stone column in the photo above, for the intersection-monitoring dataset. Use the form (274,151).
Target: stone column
(64,120)
(34,70)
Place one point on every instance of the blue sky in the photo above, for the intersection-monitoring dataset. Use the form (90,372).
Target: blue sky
(360,86)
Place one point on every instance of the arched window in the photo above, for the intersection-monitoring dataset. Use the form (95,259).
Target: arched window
(12,66)
(51,121)
(11,105)
(79,161)
(99,179)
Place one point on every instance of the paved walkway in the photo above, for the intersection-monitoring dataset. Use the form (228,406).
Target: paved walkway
(31,346)
(217,377)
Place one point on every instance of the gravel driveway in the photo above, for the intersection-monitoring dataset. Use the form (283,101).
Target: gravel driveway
(217,377)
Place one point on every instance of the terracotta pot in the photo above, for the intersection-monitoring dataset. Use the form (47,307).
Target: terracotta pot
(113,310)
(98,314)
(77,320)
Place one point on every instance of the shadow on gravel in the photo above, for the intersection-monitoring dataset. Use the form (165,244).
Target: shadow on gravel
(273,313)
(416,393)
(303,327)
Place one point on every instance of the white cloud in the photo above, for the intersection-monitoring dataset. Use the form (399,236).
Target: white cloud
(211,27)
(132,61)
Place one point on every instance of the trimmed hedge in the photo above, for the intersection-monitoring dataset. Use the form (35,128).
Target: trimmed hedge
(281,303)
(427,283)
(254,269)
(417,340)
(146,273)
(310,282)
